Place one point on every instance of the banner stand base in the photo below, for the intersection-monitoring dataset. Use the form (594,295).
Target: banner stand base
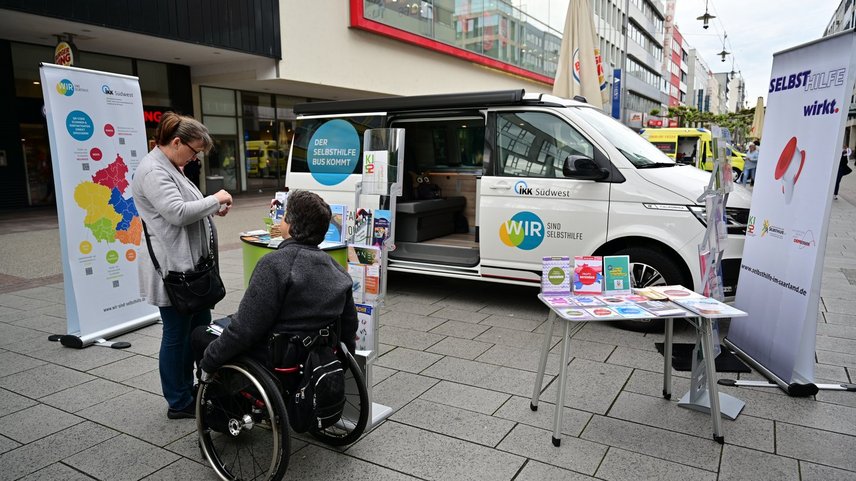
(112,344)
(379,413)
(99,338)
(793,389)
(729,406)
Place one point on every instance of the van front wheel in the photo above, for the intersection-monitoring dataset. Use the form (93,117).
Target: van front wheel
(649,268)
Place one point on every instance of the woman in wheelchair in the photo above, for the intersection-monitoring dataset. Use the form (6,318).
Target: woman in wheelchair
(296,290)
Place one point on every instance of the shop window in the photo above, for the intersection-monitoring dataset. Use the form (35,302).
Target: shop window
(223,158)
(154,83)
(105,63)
(218,101)
(25,64)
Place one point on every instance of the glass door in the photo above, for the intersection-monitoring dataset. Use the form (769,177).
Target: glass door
(37,158)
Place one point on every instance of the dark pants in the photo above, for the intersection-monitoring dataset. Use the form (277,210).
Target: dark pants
(841,174)
(176,359)
(199,340)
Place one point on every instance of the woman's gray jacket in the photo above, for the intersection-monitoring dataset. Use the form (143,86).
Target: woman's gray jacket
(174,211)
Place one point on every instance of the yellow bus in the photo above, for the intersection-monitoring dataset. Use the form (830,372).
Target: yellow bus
(264,156)
(691,146)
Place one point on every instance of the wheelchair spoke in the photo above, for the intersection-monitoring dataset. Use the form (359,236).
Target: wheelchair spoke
(239,424)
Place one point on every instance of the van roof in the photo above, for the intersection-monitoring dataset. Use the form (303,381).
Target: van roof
(676,130)
(433,102)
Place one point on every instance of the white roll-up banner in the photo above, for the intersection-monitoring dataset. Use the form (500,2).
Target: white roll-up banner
(807,105)
(98,136)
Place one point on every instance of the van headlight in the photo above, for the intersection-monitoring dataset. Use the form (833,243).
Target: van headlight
(736,218)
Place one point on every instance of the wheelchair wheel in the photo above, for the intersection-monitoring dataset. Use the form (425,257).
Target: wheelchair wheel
(357,408)
(242,423)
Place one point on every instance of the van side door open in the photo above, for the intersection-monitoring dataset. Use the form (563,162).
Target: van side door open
(528,208)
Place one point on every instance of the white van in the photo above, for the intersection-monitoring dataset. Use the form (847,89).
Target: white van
(518,177)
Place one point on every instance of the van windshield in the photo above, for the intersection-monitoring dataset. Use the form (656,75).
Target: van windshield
(639,152)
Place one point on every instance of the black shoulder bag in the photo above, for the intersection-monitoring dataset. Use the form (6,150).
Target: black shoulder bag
(195,290)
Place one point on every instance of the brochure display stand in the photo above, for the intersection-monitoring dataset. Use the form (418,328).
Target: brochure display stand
(373,238)
(710,262)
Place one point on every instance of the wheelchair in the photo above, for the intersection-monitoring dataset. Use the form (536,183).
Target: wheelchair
(243,424)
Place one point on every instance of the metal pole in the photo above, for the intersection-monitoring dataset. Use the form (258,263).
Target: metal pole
(624,28)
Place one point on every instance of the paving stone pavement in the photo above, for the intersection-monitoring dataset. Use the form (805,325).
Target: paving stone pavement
(457,365)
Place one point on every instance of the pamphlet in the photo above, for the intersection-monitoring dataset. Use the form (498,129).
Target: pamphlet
(277,206)
(588,301)
(382,226)
(375,168)
(616,274)
(710,308)
(575,314)
(588,274)
(372,283)
(362,227)
(257,232)
(358,276)
(663,308)
(650,294)
(603,313)
(559,301)
(336,232)
(364,254)
(257,238)
(631,311)
(556,275)
(218,325)
(675,292)
(614,301)
(282,197)
(365,327)
(369,259)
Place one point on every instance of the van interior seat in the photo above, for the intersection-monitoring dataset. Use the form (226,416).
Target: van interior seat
(421,220)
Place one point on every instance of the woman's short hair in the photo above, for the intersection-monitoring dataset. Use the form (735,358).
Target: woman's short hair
(307,216)
(187,129)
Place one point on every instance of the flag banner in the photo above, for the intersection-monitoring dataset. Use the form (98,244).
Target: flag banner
(807,103)
(98,136)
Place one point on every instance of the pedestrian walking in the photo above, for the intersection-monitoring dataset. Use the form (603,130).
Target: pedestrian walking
(843,169)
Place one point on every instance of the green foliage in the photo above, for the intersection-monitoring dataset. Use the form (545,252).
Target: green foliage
(737,122)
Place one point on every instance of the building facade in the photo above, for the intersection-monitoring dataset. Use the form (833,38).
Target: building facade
(698,82)
(240,66)
(644,51)
(843,19)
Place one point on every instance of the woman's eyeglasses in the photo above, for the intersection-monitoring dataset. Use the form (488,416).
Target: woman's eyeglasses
(195,152)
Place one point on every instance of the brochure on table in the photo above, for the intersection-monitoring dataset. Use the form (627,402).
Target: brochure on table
(584,308)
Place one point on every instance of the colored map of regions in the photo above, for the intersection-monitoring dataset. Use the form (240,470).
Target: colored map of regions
(110,216)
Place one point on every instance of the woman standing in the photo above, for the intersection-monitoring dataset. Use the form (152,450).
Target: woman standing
(177,218)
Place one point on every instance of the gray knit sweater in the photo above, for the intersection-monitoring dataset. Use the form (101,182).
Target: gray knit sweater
(294,289)
(172,208)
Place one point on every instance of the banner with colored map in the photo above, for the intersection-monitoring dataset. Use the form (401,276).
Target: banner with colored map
(98,136)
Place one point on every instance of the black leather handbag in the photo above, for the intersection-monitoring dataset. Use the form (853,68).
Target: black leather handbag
(195,290)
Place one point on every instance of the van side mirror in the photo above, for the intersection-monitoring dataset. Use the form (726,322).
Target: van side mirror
(583,168)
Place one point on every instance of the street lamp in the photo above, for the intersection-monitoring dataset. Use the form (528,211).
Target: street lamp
(724,52)
(706,17)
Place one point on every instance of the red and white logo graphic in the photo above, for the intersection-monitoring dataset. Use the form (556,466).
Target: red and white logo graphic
(95,153)
(109,130)
(789,167)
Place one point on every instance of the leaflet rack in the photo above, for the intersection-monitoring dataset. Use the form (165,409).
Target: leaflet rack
(710,252)
(383,154)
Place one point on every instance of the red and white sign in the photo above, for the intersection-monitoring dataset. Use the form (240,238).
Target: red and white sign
(63,54)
